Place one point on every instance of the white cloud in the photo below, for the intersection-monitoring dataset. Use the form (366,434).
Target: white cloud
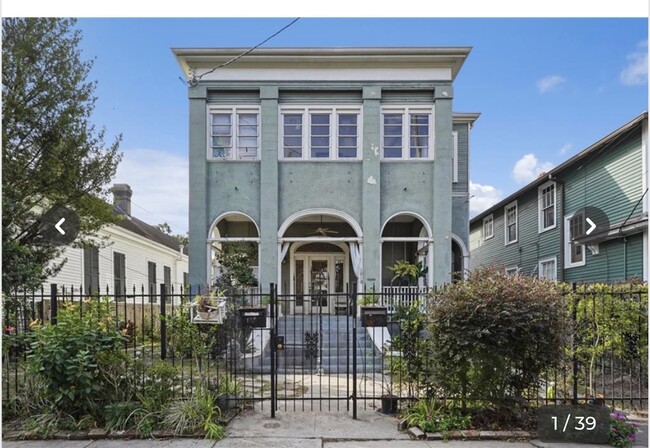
(636,71)
(566,148)
(549,83)
(482,197)
(159,181)
(528,168)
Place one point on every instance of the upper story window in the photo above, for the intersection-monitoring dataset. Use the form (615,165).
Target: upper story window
(320,133)
(511,222)
(546,195)
(454,161)
(574,253)
(407,133)
(488,227)
(234,133)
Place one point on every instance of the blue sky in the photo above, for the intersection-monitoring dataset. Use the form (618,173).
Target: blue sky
(545,88)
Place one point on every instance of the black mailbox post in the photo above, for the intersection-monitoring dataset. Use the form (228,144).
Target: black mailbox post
(374,316)
(253,317)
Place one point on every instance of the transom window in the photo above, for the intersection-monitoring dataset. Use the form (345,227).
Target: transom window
(407,133)
(320,134)
(234,134)
(511,223)
(546,195)
(488,227)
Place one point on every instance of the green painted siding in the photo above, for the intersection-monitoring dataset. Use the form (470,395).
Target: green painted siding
(406,186)
(610,179)
(235,187)
(617,260)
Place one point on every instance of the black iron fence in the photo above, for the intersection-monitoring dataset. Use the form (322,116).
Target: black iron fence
(328,351)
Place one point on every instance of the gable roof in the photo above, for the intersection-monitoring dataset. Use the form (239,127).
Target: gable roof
(153,233)
(601,144)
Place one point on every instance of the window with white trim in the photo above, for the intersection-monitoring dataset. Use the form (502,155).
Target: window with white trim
(510,218)
(512,270)
(546,202)
(548,268)
(488,227)
(234,133)
(320,133)
(407,133)
(574,253)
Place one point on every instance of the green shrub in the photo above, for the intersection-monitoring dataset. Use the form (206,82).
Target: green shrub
(432,415)
(492,335)
(159,387)
(81,359)
(185,338)
(197,413)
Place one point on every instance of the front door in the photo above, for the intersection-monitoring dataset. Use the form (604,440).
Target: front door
(318,281)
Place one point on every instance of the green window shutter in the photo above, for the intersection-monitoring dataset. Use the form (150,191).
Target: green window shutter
(91,270)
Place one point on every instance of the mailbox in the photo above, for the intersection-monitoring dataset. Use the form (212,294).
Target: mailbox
(374,316)
(253,317)
(279,343)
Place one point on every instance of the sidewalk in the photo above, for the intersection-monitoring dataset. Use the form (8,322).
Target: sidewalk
(306,430)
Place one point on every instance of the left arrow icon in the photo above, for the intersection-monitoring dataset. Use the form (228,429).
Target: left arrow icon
(58,226)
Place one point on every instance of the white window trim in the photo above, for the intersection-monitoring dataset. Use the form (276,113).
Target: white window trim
(406,137)
(454,178)
(540,217)
(546,260)
(305,111)
(233,111)
(511,268)
(567,245)
(505,223)
(487,237)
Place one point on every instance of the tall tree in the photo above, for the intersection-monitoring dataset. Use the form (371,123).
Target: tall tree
(51,153)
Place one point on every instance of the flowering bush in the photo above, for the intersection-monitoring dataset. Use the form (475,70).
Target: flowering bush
(621,432)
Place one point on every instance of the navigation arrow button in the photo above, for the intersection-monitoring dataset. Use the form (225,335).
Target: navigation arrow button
(58,226)
(591,228)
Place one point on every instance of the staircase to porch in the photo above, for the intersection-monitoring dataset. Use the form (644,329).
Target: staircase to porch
(329,352)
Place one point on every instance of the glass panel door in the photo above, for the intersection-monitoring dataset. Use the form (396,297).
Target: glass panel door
(320,285)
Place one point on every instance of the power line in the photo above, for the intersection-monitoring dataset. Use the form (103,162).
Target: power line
(194,80)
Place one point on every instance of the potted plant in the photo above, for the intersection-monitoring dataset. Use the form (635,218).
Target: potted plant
(207,306)
(372,314)
(389,401)
(228,389)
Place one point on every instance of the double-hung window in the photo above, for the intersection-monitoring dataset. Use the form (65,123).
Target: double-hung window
(488,227)
(574,253)
(546,195)
(320,133)
(510,213)
(407,133)
(234,133)
(548,268)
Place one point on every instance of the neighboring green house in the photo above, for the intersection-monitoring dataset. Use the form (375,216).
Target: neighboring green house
(541,230)
(336,162)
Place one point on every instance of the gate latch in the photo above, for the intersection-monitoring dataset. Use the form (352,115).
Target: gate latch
(279,342)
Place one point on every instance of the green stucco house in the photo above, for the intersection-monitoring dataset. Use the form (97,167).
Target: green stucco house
(335,162)
(542,229)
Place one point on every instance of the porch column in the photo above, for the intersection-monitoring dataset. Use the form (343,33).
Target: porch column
(442,166)
(269,257)
(371,187)
(198,219)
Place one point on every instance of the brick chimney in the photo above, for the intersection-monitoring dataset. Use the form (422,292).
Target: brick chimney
(122,198)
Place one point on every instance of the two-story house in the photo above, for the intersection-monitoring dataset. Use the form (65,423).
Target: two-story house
(543,229)
(335,162)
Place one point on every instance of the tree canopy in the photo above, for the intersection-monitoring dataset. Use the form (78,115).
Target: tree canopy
(51,152)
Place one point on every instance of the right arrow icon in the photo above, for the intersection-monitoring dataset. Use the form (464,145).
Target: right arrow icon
(592,226)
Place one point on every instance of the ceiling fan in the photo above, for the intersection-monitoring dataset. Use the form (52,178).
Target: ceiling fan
(323,231)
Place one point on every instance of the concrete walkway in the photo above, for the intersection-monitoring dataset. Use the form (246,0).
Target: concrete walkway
(306,430)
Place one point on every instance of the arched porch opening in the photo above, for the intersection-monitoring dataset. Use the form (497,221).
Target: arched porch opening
(233,252)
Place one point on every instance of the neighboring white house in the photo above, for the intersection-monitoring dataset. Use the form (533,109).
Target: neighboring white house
(136,256)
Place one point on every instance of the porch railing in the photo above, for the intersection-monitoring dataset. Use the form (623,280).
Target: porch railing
(393,297)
